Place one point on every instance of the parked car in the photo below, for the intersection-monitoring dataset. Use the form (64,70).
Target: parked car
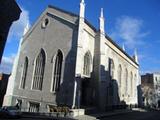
(10,112)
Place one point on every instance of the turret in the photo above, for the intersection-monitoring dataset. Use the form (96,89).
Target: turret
(12,78)
(123,47)
(82,9)
(79,56)
(26,29)
(102,33)
(135,57)
(101,24)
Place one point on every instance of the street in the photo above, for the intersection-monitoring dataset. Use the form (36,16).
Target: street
(125,116)
(37,118)
(135,116)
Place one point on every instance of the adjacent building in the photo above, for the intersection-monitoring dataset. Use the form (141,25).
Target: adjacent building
(9,12)
(151,89)
(64,60)
(3,86)
(151,79)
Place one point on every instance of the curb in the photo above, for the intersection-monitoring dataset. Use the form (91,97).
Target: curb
(112,114)
(96,116)
(48,117)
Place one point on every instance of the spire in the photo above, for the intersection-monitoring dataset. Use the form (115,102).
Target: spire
(135,56)
(26,29)
(123,47)
(12,77)
(82,1)
(102,13)
(135,52)
(82,9)
(101,19)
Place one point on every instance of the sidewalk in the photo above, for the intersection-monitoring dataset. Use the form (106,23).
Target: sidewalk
(95,116)
(102,115)
(45,116)
(139,109)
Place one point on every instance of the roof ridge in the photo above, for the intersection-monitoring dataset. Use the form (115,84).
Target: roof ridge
(65,11)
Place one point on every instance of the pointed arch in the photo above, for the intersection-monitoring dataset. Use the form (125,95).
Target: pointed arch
(111,68)
(87,64)
(39,70)
(131,83)
(24,73)
(119,77)
(57,70)
(134,84)
(126,81)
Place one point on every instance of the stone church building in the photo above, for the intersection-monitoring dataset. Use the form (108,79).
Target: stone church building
(64,60)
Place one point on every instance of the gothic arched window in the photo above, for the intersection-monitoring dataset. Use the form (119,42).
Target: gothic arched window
(57,69)
(134,84)
(126,81)
(111,68)
(120,77)
(131,90)
(39,71)
(87,64)
(24,73)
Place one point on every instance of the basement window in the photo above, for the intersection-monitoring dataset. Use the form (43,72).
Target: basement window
(34,107)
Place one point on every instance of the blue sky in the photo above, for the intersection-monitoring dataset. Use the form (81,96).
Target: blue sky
(134,23)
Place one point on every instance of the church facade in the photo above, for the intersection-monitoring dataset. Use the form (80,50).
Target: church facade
(64,60)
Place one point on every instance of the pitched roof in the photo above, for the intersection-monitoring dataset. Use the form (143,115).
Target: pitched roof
(95,29)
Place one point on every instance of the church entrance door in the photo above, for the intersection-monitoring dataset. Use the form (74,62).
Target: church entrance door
(86,93)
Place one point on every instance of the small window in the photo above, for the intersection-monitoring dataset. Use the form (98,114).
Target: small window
(45,23)
(51,108)
(156,79)
(19,104)
(33,107)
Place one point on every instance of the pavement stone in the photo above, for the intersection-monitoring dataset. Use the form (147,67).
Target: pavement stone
(95,116)
(102,115)
(85,117)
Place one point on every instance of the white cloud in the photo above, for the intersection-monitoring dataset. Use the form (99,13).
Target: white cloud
(15,33)
(129,29)
(7,63)
(17,28)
